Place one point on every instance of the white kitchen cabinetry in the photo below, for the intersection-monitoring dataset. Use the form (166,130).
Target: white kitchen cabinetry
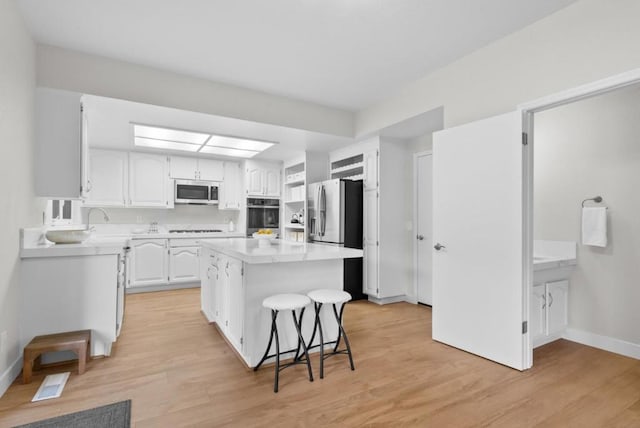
(210,301)
(60,144)
(231,187)
(149,262)
(107,179)
(371,158)
(379,163)
(184,264)
(186,168)
(148,181)
(263,179)
(548,312)
(223,299)
(370,236)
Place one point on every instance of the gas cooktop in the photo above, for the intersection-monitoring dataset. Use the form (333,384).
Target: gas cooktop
(195,231)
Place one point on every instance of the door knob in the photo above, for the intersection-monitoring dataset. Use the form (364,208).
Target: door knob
(439,247)
(420,237)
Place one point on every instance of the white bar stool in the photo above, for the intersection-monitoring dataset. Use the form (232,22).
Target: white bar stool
(331,297)
(286,302)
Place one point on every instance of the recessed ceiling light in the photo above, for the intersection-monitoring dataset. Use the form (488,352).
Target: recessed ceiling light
(197,142)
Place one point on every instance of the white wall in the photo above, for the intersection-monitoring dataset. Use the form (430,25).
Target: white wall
(19,205)
(587,41)
(64,69)
(582,150)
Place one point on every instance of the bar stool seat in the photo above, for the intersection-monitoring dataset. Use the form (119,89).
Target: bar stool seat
(328,296)
(286,302)
(283,302)
(331,297)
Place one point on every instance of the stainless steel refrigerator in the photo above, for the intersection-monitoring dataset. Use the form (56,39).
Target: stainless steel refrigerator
(335,218)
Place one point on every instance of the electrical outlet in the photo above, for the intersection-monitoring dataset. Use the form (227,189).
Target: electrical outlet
(3,341)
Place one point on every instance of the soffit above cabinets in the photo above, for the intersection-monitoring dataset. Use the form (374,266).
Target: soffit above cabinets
(110,123)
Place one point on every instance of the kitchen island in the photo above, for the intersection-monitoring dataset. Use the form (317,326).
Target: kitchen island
(238,274)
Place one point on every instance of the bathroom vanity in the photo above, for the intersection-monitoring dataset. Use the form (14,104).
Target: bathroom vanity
(553,264)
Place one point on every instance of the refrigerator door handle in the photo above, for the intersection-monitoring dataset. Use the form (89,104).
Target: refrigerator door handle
(316,214)
(323,211)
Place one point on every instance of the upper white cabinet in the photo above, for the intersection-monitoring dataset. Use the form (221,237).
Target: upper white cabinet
(107,178)
(149,262)
(263,179)
(148,181)
(121,179)
(185,168)
(230,197)
(210,170)
(59,144)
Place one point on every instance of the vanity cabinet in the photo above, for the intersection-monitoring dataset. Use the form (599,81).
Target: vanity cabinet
(548,311)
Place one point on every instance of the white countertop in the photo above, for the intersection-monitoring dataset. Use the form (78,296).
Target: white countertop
(542,263)
(167,235)
(94,246)
(247,250)
(100,244)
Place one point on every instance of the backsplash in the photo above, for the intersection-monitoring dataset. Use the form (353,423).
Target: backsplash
(181,214)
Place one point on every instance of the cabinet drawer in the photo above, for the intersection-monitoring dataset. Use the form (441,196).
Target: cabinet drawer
(183,242)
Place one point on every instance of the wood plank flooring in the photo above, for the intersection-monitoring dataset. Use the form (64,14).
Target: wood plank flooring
(178,371)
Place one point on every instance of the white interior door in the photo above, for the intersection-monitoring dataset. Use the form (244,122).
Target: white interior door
(424,235)
(478,299)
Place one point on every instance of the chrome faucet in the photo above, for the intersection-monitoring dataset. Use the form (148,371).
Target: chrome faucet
(106,216)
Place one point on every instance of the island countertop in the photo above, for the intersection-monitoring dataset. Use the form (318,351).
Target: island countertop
(247,250)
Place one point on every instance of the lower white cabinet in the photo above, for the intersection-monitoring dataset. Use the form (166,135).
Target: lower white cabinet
(149,262)
(548,312)
(223,295)
(184,264)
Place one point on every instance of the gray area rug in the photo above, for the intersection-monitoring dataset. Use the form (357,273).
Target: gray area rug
(116,415)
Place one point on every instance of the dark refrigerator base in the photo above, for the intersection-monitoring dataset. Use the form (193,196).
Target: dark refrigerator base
(353,278)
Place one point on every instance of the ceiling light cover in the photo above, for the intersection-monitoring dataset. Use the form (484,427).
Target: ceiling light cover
(170,134)
(225,151)
(196,142)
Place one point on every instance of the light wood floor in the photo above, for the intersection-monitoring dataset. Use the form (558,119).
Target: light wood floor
(179,372)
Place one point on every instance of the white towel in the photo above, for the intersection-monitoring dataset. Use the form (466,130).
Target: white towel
(594,226)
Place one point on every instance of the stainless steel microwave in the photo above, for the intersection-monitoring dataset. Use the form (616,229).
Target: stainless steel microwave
(196,192)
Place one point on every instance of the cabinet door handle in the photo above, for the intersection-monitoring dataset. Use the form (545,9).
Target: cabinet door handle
(550,299)
(544,299)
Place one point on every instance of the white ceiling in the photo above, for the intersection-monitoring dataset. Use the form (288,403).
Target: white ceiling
(341,53)
(109,126)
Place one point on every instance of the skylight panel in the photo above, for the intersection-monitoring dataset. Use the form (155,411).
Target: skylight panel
(226,151)
(167,145)
(196,142)
(238,143)
(167,134)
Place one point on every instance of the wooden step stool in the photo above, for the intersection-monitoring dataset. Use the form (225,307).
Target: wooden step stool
(76,341)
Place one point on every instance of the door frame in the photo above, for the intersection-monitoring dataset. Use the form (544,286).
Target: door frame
(528,109)
(415,221)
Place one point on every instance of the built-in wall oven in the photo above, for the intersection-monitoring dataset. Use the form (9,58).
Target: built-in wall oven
(196,192)
(262,214)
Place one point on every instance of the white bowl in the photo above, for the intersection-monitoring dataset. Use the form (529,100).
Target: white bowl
(71,236)
(264,240)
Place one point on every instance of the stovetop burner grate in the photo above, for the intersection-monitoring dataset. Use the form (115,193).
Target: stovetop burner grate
(195,230)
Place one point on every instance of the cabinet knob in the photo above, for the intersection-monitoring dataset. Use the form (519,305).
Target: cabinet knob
(420,237)
(439,246)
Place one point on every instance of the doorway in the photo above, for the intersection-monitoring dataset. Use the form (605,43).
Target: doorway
(423,207)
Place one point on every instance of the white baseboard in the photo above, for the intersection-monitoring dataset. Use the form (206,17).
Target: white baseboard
(606,343)
(10,374)
(387,300)
(153,288)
